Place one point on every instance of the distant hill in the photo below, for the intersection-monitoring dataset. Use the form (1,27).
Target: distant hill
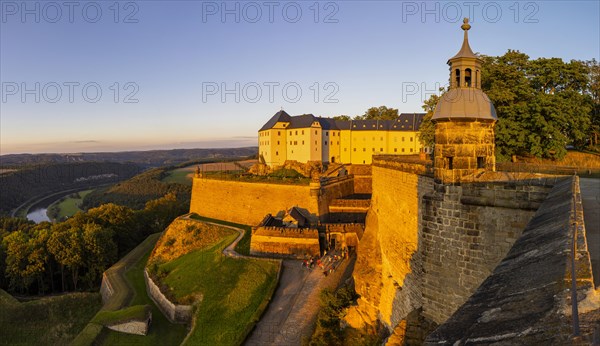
(146,159)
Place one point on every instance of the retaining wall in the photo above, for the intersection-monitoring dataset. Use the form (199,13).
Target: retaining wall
(175,313)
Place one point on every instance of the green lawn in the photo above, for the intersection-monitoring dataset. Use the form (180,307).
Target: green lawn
(46,321)
(180,176)
(234,292)
(273,178)
(68,205)
(135,312)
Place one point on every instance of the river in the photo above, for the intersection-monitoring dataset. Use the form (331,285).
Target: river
(38,215)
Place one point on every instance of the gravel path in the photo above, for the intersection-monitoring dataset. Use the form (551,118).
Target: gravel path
(290,317)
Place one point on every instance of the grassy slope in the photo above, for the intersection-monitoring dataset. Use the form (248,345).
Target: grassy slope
(243,247)
(181,176)
(234,292)
(47,321)
(135,312)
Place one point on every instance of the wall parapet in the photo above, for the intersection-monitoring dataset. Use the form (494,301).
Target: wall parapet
(350,203)
(174,312)
(406,163)
(285,232)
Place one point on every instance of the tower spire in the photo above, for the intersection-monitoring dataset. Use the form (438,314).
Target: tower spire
(465,50)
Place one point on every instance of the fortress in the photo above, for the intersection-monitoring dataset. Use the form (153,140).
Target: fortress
(453,251)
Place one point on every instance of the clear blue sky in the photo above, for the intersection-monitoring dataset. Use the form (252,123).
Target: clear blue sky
(175,54)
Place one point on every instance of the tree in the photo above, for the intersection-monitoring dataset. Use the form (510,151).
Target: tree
(17,252)
(541,104)
(594,92)
(379,113)
(427,128)
(160,212)
(123,223)
(66,245)
(39,258)
(342,117)
(100,251)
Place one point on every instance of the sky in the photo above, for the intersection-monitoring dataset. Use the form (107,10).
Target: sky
(140,75)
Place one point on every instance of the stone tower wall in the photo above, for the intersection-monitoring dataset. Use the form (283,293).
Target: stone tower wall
(464,141)
(388,266)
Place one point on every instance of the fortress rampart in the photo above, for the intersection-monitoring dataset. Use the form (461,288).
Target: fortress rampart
(247,203)
(428,246)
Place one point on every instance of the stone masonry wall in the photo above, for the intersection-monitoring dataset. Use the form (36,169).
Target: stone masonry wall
(330,191)
(247,203)
(362,178)
(466,231)
(464,142)
(429,246)
(527,299)
(284,242)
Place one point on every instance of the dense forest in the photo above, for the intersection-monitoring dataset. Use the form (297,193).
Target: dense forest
(72,255)
(24,183)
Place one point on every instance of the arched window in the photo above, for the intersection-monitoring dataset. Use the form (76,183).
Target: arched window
(457,77)
(468,78)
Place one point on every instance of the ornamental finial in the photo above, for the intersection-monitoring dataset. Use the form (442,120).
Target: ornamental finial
(466,26)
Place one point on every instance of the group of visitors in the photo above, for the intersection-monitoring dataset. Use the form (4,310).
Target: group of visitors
(328,263)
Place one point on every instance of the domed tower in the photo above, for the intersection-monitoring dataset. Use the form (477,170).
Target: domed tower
(464,121)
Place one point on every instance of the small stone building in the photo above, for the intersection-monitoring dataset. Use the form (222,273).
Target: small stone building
(464,121)
(289,235)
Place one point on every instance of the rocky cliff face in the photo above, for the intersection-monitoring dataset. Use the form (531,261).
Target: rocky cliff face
(388,266)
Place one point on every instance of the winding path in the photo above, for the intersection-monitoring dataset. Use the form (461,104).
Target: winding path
(290,317)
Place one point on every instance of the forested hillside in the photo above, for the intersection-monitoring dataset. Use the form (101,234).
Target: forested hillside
(137,191)
(23,183)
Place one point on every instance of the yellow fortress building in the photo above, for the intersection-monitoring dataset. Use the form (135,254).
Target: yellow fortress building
(305,138)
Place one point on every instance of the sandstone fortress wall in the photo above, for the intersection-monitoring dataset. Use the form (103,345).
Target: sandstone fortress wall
(248,203)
